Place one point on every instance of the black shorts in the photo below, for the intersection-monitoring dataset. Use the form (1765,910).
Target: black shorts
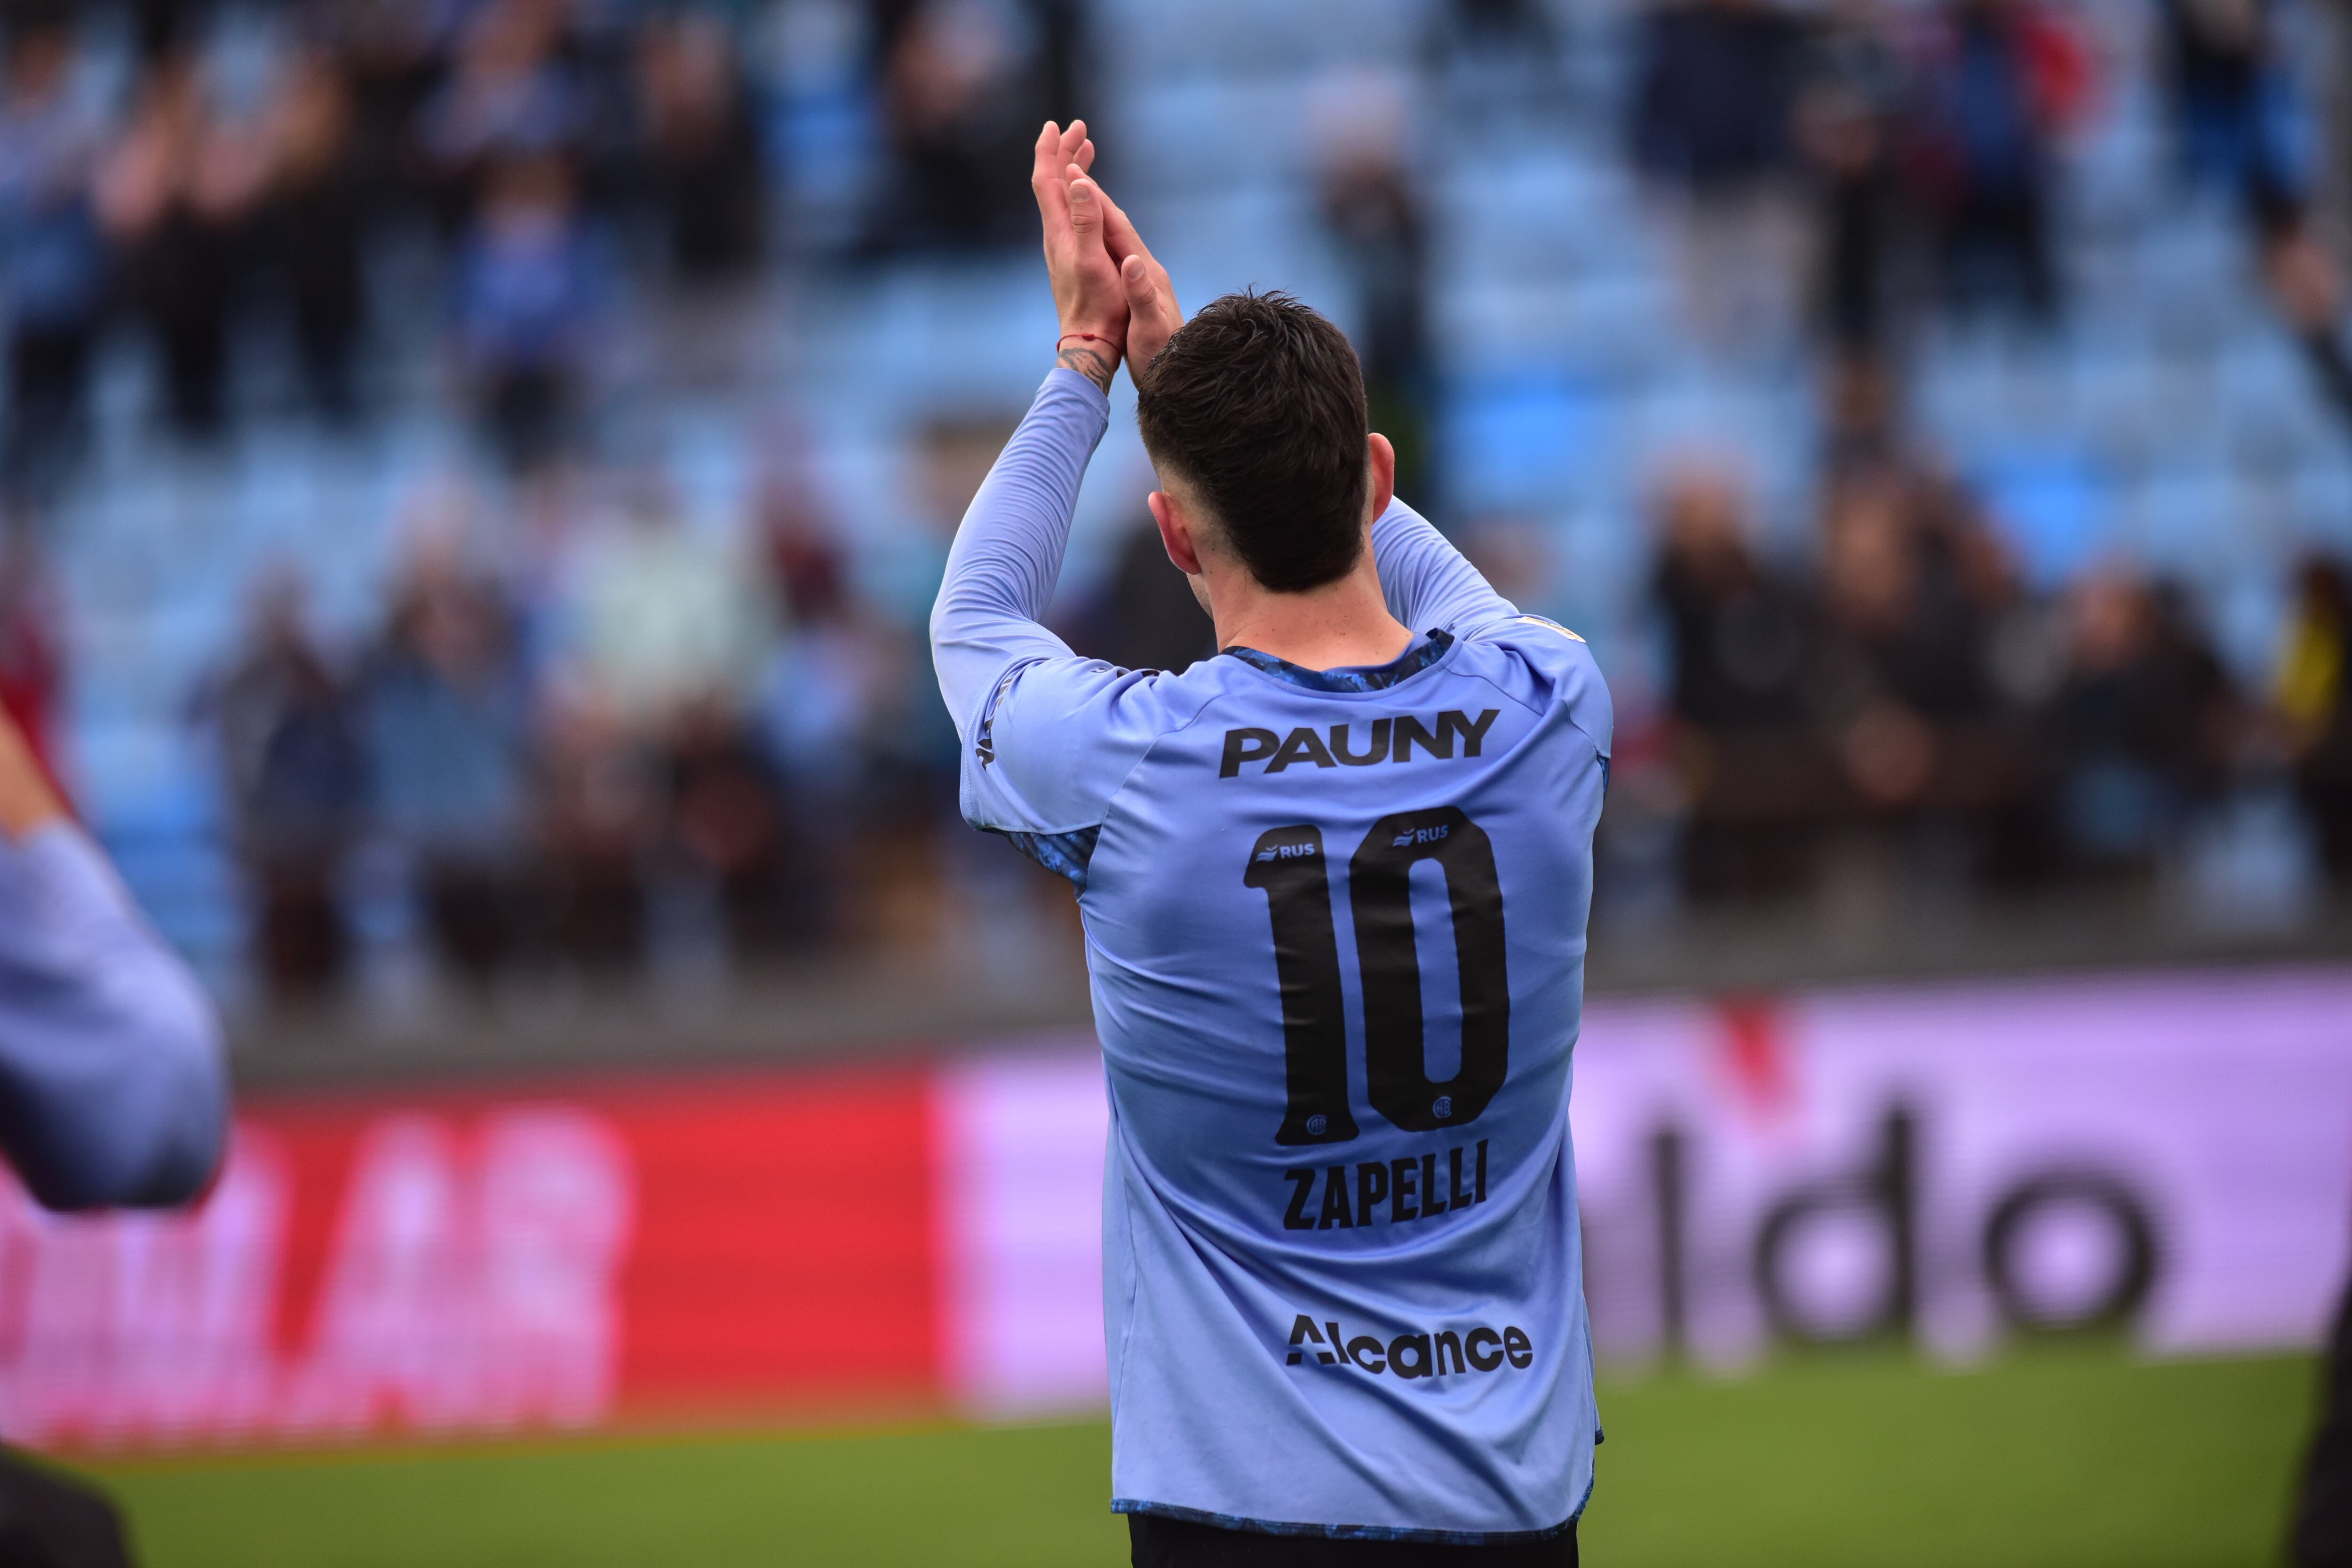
(1162,1542)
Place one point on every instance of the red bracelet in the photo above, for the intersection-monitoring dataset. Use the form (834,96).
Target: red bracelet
(1090,337)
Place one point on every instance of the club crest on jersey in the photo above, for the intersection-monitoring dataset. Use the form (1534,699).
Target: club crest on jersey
(1391,740)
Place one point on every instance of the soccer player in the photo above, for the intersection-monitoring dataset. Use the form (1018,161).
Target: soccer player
(1334,884)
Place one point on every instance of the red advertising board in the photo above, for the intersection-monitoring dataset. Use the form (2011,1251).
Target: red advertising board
(485,1260)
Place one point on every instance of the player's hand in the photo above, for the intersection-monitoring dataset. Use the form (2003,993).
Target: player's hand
(1089,293)
(1153,314)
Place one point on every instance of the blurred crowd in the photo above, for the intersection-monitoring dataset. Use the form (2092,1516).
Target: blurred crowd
(628,731)
(1858,165)
(1844,172)
(1907,689)
(555,148)
(592,719)
(587,718)
(198,210)
(548,747)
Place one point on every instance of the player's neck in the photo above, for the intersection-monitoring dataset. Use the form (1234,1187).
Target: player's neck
(1340,626)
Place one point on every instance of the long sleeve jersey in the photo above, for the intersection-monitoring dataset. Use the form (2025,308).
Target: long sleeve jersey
(114,1085)
(1335,926)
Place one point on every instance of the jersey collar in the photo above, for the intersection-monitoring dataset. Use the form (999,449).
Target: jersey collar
(1353,678)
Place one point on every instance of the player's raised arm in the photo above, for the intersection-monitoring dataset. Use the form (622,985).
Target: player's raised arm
(1007,556)
(113,1090)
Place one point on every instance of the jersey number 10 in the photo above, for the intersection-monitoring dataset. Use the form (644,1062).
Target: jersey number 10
(1288,864)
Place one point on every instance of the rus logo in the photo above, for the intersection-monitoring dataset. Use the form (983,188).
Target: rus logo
(1391,740)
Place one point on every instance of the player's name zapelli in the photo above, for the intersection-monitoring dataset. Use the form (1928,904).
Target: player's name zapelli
(1393,739)
(1413,1355)
(1416,1186)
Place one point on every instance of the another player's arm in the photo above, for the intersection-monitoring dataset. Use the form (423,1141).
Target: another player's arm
(114,1085)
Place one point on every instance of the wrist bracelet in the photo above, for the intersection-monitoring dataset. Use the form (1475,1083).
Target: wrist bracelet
(1090,337)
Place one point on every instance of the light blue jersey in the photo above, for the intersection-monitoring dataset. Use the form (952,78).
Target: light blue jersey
(113,1084)
(1336,924)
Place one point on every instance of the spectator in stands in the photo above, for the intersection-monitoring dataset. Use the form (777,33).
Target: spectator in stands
(2314,693)
(661,635)
(2141,728)
(2307,286)
(2236,120)
(1742,638)
(1905,627)
(390,51)
(510,100)
(177,193)
(1915,590)
(2241,124)
(56,264)
(1887,657)
(1371,209)
(1849,128)
(1998,81)
(1740,630)
(446,712)
(162,28)
(1713,96)
(529,288)
(1500,55)
(296,780)
(662,618)
(825,679)
(315,217)
(824,690)
(964,84)
(1861,424)
(1711,122)
(726,819)
(599,814)
(707,163)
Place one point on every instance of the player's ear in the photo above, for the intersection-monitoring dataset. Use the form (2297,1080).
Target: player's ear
(1175,534)
(1381,457)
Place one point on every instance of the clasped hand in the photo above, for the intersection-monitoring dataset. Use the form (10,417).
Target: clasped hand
(1111,293)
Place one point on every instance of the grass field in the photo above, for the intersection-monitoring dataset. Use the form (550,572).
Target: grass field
(2074,1460)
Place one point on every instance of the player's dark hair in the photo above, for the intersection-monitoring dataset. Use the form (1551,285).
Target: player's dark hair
(1257,405)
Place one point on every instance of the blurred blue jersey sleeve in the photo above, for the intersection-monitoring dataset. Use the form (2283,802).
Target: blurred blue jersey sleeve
(113,1082)
(1047,735)
(1429,584)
